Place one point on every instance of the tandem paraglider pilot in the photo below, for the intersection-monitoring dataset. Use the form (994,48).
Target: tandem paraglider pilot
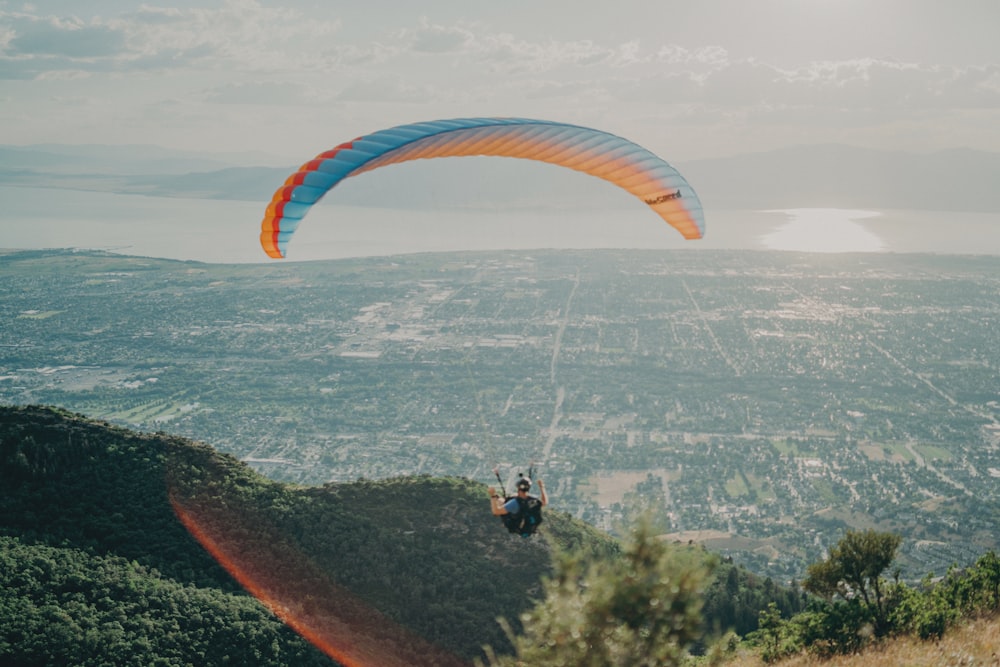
(521,513)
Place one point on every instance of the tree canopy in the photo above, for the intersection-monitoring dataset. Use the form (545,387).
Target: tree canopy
(640,610)
(854,568)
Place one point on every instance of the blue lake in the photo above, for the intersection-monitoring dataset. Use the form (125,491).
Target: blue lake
(227,231)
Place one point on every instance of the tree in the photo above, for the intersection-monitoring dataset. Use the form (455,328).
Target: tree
(854,569)
(775,636)
(642,609)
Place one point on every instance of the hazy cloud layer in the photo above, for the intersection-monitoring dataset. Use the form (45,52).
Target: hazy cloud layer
(218,63)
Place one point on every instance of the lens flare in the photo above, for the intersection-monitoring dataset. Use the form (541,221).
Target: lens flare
(298,592)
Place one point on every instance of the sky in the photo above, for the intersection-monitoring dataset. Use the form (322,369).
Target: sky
(689,80)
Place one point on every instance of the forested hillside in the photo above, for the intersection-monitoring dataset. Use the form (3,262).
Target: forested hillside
(106,536)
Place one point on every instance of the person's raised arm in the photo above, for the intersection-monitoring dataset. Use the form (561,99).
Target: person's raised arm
(496,503)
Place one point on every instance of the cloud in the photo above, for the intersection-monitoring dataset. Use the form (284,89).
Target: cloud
(506,54)
(245,38)
(266,92)
(884,84)
(706,75)
(553,89)
(64,39)
(241,35)
(358,55)
(849,85)
(433,38)
(211,58)
(499,51)
(386,89)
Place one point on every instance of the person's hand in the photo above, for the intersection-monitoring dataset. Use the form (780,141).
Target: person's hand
(541,484)
(491,491)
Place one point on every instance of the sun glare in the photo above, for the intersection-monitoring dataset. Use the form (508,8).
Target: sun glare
(823,230)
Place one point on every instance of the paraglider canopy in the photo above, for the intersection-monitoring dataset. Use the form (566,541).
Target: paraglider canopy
(607,156)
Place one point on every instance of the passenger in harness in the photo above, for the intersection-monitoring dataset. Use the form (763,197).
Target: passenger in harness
(522,513)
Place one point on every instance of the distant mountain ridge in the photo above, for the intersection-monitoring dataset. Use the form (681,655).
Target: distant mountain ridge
(125,160)
(836,176)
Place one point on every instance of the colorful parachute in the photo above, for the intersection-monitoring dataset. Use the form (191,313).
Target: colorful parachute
(607,156)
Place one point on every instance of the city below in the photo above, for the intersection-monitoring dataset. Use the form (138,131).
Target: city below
(757,402)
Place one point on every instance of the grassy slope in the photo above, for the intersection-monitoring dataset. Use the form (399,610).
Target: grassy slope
(425,553)
(415,565)
(973,642)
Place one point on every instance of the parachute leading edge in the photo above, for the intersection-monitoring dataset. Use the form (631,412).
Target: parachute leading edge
(617,160)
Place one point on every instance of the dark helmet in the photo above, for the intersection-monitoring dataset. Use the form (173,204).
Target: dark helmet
(524,483)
